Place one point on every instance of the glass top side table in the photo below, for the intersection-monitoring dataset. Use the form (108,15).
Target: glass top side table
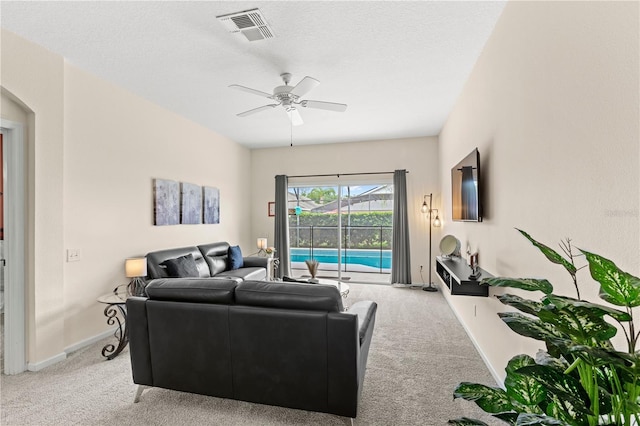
(116,313)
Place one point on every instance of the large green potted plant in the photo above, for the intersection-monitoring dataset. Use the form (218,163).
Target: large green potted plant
(581,379)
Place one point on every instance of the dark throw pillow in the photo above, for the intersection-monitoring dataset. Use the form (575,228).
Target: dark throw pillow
(235,258)
(181,267)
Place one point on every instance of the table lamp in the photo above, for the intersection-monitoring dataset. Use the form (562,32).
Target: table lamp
(136,268)
(262,244)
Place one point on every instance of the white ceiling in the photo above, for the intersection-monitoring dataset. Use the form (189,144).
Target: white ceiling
(399,65)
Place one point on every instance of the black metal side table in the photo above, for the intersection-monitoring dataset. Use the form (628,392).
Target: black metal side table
(116,304)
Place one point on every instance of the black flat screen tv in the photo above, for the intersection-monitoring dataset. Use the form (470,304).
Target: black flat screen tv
(466,197)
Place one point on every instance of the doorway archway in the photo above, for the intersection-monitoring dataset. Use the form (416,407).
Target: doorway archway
(14,251)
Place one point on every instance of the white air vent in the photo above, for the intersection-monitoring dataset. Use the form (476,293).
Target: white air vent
(249,23)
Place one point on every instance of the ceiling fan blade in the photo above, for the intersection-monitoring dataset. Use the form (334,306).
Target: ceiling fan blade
(304,86)
(253,111)
(330,106)
(294,116)
(250,90)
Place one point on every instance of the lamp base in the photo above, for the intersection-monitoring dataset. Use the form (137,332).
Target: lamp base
(137,287)
(429,288)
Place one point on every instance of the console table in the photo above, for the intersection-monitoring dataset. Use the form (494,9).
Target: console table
(454,273)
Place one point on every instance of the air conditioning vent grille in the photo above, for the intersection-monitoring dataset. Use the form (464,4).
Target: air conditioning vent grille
(266,32)
(257,18)
(243,21)
(250,23)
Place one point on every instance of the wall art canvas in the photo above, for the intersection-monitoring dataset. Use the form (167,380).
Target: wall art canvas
(166,197)
(211,204)
(191,204)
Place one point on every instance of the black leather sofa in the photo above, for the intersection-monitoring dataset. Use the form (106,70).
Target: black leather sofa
(211,261)
(285,344)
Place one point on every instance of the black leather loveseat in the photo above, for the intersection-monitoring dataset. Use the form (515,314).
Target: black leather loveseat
(211,260)
(284,344)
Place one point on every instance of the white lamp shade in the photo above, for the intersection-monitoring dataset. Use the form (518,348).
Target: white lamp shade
(135,267)
(262,243)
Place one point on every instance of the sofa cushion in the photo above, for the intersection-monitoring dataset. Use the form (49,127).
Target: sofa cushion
(245,273)
(235,258)
(217,264)
(289,296)
(199,290)
(181,267)
(216,255)
(155,269)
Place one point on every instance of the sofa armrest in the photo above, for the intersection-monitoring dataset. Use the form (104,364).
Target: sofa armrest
(139,349)
(255,262)
(366,312)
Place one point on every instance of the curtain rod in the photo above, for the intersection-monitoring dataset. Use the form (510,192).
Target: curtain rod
(344,174)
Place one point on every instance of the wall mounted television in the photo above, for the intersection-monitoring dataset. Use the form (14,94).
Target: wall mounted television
(466,195)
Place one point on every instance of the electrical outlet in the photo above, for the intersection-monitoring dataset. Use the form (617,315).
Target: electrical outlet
(73,255)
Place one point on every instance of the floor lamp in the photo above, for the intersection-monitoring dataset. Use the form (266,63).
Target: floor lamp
(428,209)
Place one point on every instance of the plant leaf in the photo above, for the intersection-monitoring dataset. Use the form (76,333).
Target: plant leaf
(529,327)
(630,371)
(550,254)
(529,419)
(521,388)
(507,417)
(561,301)
(565,387)
(491,400)
(466,421)
(564,411)
(583,324)
(616,286)
(543,358)
(593,355)
(529,284)
(527,306)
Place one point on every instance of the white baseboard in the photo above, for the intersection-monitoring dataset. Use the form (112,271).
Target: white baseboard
(37,366)
(89,341)
(492,370)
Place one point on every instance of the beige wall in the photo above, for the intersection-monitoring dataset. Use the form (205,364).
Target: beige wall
(95,151)
(115,144)
(419,156)
(552,105)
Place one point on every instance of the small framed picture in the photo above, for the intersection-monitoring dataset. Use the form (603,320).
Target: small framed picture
(271,208)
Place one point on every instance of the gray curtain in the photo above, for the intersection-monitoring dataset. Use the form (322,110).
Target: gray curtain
(281,231)
(401,253)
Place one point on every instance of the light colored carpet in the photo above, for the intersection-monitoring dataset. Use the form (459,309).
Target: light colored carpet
(419,353)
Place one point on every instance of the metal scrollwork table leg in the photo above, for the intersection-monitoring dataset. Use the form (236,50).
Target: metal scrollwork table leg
(110,350)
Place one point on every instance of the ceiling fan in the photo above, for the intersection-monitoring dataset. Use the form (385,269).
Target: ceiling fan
(289,98)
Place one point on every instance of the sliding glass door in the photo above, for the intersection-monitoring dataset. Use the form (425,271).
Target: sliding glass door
(346,228)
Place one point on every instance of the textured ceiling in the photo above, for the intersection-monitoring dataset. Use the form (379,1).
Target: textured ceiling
(399,65)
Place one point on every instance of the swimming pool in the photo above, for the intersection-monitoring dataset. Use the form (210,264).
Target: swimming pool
(371,258)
